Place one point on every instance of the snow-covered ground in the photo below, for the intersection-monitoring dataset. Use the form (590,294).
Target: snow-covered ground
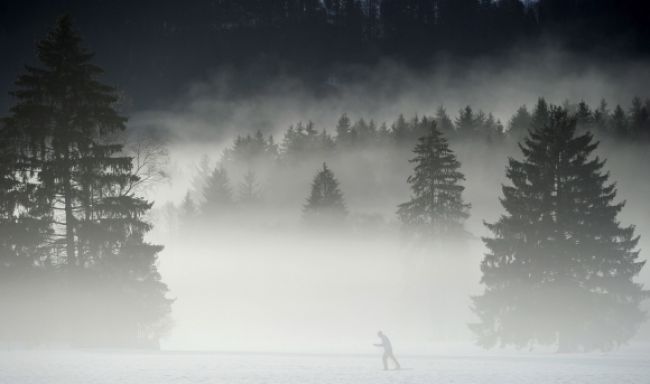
(168,367)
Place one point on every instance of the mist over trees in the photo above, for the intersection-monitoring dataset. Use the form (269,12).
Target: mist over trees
(255,163)
(560,267)
(73,223)
(74,249)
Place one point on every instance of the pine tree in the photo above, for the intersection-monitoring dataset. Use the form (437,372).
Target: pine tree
(466,123)
(65,112)
(540,114)
(400,130)
(492,129)
(325,204)
(250,151)
(584,116)
(619,123)
(639,119)
(345,136)
(217,193)
(520,124)
(444,123)
(602,117)
(560,268)
(437,206)
(65,118)
(364,132)
(249,189)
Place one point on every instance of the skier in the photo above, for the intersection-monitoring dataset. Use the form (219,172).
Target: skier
(388,350)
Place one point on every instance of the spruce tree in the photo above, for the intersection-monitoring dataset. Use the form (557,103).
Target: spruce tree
(620,126)
(325,204)
(639,119)
(23,251)
(602,117)
(584,115)
(65,113)
(65,118)
(559,269)
(436,206)
(345,135)
(444,123)
(467,123)
(217,193)
(540,114)
(249,189)
(400,130)
(520,124)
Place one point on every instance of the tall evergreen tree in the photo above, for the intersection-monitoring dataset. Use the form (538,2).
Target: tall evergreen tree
(325,204)
(560,268)
(540,114)
(602,117)
(467,123)
(345,135)
(400,130)
(520,124)
(584,115)
(249,189)
(65,112)
(437,206)
(639,119)
(217,193)
(444,123)
(64,118)
(619,123)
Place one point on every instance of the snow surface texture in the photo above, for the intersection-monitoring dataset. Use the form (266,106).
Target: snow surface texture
(167,367)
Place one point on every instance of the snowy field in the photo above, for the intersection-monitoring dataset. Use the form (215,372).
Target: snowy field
(168,367)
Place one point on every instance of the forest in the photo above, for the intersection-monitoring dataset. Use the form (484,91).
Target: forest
(77,263)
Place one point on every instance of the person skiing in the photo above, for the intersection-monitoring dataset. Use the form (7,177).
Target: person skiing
(388,351)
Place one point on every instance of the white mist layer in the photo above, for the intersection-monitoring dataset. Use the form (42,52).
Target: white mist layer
(274,287)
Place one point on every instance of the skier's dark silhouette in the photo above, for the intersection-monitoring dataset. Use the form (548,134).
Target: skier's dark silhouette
(388,350)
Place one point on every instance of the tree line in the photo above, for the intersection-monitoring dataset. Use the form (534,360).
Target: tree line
(304,141)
